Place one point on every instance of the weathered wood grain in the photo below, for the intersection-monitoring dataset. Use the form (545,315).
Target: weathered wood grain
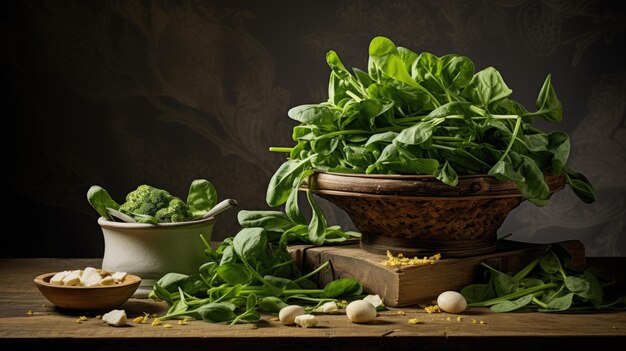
(410,285)
(50,328)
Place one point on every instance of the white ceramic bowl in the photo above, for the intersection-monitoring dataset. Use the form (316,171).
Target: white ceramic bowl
(150,250)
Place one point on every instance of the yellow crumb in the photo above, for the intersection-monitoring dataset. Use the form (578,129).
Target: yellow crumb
(448,319)
(78,321)
(182,321)
(402,313)
(82,318)
(167,325)
(274,319)
(98,317)
(400,260)
(414,321)
(155,322)
(432,309)
(483,322)
(139,319)
(473,321)
(29,313)
(459,318)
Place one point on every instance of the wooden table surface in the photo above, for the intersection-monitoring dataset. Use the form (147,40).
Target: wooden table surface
(49,328)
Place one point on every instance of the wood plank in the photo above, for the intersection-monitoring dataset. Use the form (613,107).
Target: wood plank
(49,327)
(410,285)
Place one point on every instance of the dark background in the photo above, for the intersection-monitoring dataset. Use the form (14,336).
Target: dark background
(122,93)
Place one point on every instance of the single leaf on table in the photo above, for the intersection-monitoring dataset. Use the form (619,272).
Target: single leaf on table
(215,312)
(559,303)
(508,306)
(343,287)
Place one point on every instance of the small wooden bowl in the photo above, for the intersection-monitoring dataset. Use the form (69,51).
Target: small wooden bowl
(419,215)
(87,298)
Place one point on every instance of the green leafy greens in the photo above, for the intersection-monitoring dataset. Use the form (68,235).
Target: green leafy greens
(246,274)
(148,204)
(544,285)
(416,113)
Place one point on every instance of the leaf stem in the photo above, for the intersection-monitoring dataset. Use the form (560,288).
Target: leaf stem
(514,295)
(280,149)
(513,137)
(318,269)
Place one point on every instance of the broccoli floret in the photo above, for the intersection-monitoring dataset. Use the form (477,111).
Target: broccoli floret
(157,203)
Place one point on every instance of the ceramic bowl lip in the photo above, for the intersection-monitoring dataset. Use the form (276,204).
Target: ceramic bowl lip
(123,225)
(130,280)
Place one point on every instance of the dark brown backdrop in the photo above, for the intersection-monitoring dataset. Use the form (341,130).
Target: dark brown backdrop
(120,93)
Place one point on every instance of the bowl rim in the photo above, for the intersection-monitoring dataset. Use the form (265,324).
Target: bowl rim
(41,280)
(418,186)
(103,222)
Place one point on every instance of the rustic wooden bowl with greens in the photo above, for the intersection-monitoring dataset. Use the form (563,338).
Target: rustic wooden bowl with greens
(420,215)
(422,151)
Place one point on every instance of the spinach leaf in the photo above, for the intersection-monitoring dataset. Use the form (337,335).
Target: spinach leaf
(508,306)
(317,227)
(486,88)
(100,200)
(201,198)
(281,184)
(548,105)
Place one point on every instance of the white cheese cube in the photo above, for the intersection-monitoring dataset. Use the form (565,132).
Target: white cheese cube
(90,277)
(72,278)
(328,307)
(375,300)
(57,279)
(119,276)
(306,320)
(108,280)
(115,318)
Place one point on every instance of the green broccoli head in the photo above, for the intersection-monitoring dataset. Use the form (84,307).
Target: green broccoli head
(157,203)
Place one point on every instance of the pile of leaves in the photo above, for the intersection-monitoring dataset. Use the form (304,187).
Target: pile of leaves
(416,113)
(244,275)
(544,285)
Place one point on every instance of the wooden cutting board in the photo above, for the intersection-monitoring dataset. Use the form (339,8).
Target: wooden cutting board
(410,285)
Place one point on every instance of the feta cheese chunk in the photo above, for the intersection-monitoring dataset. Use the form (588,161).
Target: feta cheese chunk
(107,281)
(72,278)
(119,276)
(375,300)
(90,277)
(328,307)
(306,320)
(115,318)
(57,279)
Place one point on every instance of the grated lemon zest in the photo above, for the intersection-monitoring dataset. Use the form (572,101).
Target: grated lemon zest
(400,260)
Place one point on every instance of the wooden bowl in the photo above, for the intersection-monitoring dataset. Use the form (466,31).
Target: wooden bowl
(420,215)
(87,298)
